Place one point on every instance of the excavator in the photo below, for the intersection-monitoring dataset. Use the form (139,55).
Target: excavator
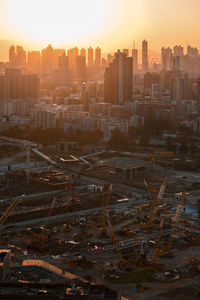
(156,203)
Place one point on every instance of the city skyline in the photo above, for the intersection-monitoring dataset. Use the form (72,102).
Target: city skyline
(97,22)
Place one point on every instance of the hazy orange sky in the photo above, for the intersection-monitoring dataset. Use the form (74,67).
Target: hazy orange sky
(110,24)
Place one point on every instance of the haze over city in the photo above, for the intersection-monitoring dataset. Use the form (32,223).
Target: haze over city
(99,149)
(112,24)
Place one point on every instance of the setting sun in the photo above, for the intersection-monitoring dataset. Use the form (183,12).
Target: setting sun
(60,22)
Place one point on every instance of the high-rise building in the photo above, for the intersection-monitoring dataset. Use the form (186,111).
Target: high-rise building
(72,54)
(177,86)
(135,60)
(118,79)
(90,57)
(83,52)
(15,86)
(50,58)
(12,56)
(80,67)
(97,56)
(63,61)
(156,90)
(192,51)
(126,51)
(166,59)
(145,64)
(20,56)
(34,60)
(110,58)
(176,61)
(179,52)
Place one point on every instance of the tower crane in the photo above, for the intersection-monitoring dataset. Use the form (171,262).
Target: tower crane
(156,204)
(162,249)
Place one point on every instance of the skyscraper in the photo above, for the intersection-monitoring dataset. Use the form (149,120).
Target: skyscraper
(135,60)
(90,57)
(145,64)
(118,79)
(97,56)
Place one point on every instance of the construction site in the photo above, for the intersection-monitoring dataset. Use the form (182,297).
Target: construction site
(106,225)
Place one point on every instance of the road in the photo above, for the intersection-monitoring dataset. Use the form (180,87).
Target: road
(41,221)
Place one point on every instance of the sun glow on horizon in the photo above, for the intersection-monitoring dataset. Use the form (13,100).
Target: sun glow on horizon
(58,22)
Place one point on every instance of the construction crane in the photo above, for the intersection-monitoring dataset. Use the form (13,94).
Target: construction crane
(123,262)
(153,156)
(156,252)
(162,249)
(9,210)
(156,204)
(148,190)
